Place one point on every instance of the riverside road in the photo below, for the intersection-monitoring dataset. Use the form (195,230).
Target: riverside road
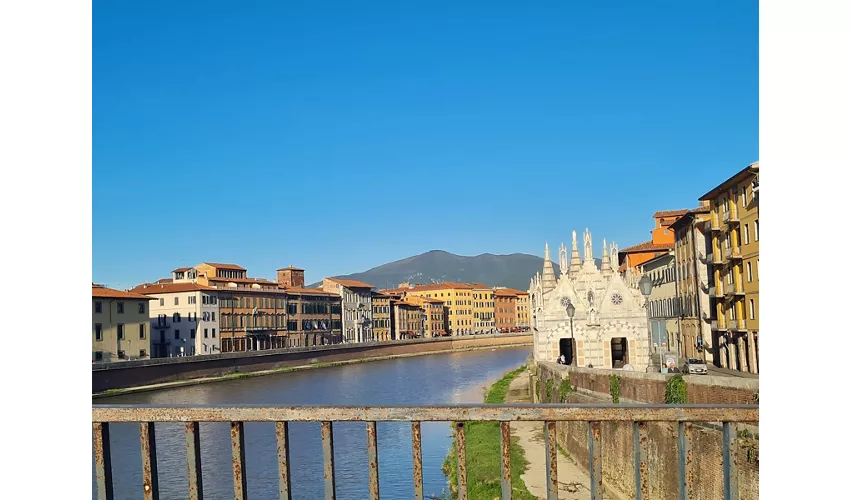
(457,377)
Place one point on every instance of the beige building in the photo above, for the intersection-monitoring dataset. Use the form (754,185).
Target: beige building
(522,310)
(407,320)
(381,317)
(184,319)
(356,308)
(664,307)
(434,322)
(119,325)
(483,308)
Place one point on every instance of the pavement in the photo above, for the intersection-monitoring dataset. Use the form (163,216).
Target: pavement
(726,372)
(573,481)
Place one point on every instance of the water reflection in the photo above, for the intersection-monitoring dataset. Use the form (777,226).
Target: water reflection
(426,380)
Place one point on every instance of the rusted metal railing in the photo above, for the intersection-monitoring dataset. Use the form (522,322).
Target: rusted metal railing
(639,415)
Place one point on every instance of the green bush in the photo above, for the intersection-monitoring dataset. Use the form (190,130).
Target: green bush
(614,383)
(677,391)
(549,387)
(564,388)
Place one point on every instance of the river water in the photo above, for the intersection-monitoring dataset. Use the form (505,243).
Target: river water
(422,380)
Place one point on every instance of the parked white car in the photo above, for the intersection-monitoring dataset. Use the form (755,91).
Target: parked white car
(695,366)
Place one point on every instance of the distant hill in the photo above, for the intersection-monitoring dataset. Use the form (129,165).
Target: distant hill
(514,270)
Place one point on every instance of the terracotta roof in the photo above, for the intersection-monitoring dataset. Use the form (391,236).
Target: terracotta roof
(440,286)
(165,280)
(297,290)
(234,290)
(670,213)
(701,210)
(405,303)
(242,280)
(149,288)
(479,286)
(647,246)
(290,268)
(622,268)
(224,266)
(747,171)
(102,292)
(182,269)
(351,283)
(502,292)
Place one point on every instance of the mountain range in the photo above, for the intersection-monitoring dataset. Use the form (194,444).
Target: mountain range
(513,271)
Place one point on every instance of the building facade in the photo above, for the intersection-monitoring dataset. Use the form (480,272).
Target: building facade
(664,306)
(695,282)
(610,320)
(184,319)
(381,317)
(433,315)
(734,224)
(522,310)
(505,300)
(661,241)
(120,325)
(483,308)
(407,319)
(356,299)
(458,299)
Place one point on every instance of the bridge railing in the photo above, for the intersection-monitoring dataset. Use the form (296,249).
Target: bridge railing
(593,415)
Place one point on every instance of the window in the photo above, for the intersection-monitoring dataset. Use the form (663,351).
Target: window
(744,196)
(98,331)
(120,331)
(161,302)
(746,234)
(192,333)
(120,308)
(176,334)
(141,307)
(176,317)
(142,353)
(162,336)
(194,300)
(757,229)
(728,241)
(98,307)
(98,356)
(749,272)
(213,333)
(752,309)
(206,333)
(142,331)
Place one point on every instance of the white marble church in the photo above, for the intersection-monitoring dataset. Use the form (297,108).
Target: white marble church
(609,324)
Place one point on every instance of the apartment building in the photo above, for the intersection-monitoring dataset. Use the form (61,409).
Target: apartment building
(523,310)
(483,308)
(505,308)
(695,282)
(184,319)
(381,317)
(434,316)
(313,317)
(408,319)
(120,328)
(660,242)
(664,306)
(734,229)
(356,299)
(458,300)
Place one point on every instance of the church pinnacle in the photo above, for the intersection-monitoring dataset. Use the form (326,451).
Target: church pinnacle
(549,280)
(575,260)
(606,261)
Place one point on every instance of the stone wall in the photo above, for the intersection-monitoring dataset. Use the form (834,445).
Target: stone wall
(121,375)
(663,465)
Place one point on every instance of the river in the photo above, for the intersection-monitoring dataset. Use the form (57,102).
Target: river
(458,377)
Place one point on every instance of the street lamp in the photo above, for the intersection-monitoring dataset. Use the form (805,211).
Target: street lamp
(571,312)
(645,286)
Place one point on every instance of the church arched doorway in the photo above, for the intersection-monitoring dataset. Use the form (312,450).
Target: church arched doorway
(619,352)
(566,350)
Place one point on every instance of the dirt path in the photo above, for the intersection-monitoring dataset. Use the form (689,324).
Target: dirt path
(573,483)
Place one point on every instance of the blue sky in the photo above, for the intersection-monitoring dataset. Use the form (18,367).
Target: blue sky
(338,136)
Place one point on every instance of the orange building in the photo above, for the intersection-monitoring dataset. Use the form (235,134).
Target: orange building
(435,316)
(506,304)
(661,241)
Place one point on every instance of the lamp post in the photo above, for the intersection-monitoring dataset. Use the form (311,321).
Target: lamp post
(571,312)
(645,286)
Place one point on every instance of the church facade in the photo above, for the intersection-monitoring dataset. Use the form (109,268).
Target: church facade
(610,325)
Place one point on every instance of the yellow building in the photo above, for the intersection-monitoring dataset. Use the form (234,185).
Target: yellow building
(522,310)
(381,316)
(458,298)
(483,308)
(734,222)
(119,325)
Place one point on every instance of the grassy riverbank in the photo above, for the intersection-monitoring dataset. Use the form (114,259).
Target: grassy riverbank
(483,454)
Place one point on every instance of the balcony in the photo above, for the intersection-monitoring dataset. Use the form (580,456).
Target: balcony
(731,216)
(717,257)
(718,290)
(715,222)
(733,290)
(637,416)
(737,325)
(732,254)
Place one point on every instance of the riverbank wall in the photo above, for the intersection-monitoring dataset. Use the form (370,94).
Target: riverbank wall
(590,385)
(129,374)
